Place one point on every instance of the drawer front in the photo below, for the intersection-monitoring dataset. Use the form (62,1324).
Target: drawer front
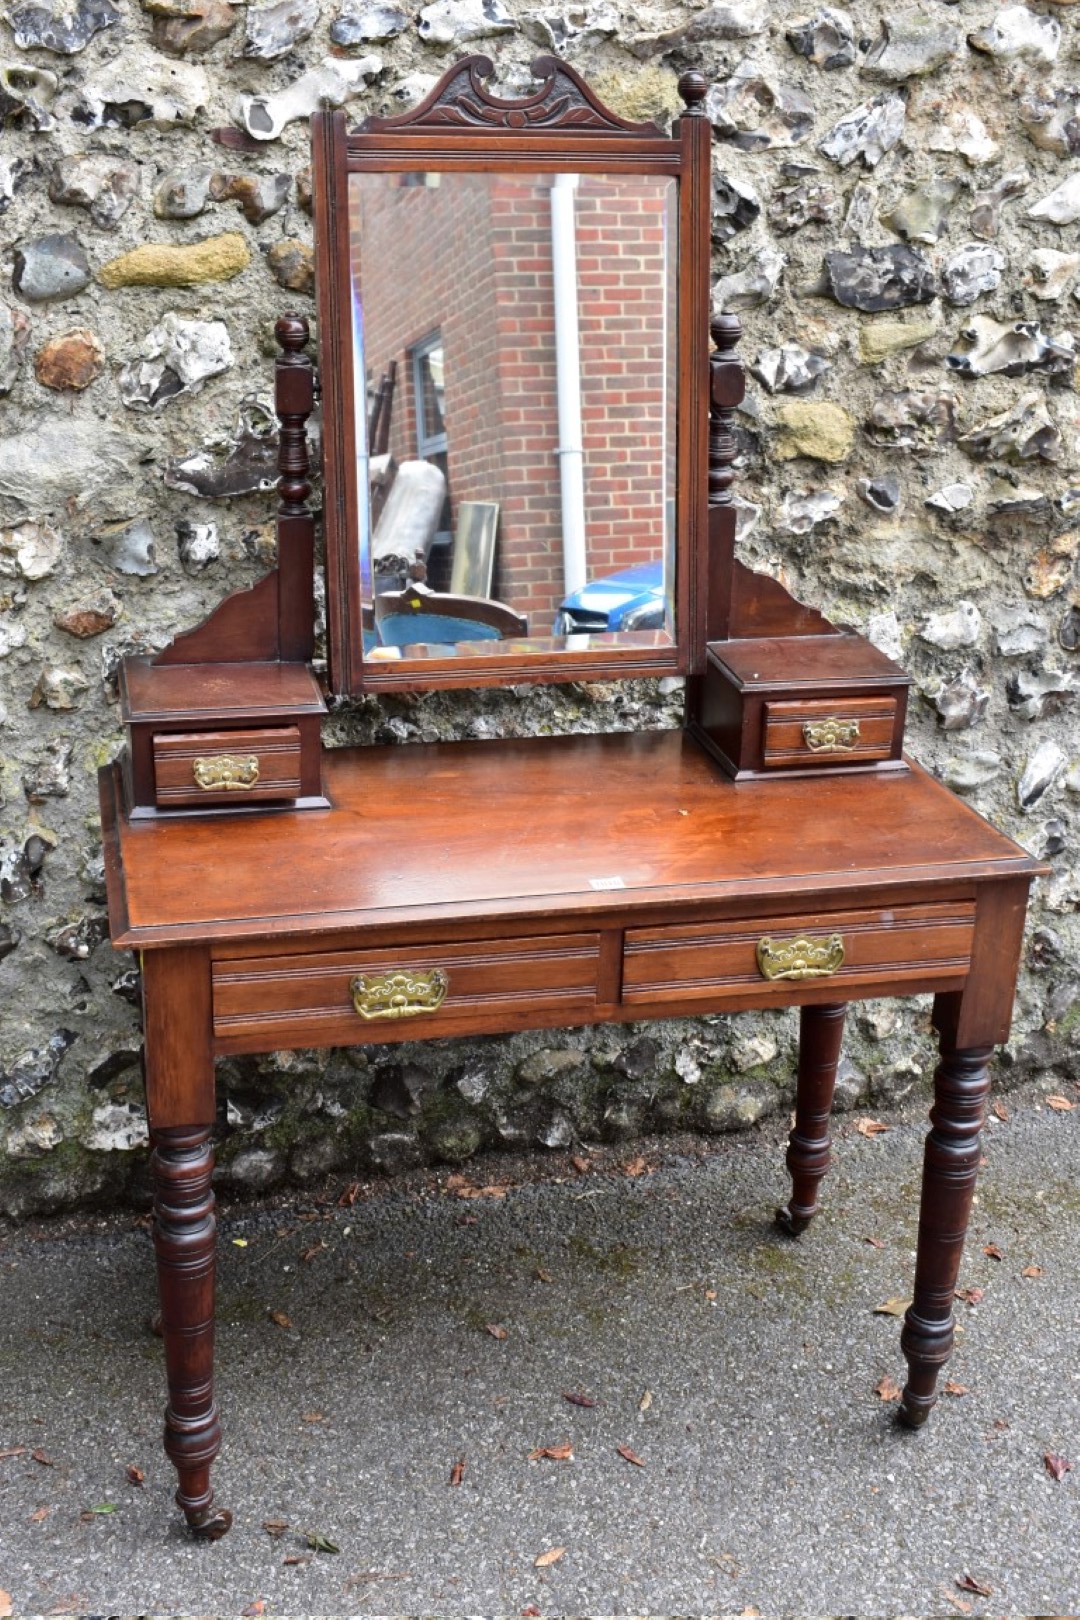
(227,767)
(846,948)
(819,732)
(406,991)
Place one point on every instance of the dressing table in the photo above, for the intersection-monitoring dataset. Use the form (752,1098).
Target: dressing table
(516,293)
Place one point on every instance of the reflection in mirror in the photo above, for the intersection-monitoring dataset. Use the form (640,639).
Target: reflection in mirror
(515,334)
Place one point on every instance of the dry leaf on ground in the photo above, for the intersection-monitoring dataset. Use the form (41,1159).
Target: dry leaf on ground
(43,1457)
(892,1307)
(1060,1105)
(992,1252)
(872,1127)
(582,1166)
(887,1388)
(349,1196)
(961,1605)
(875,1243)
(545,1560)
(5,1605)
(953,1388)
(13,1451)
(280,1319)
(563,1453)
(135,1475)
(971,1296)
(496,1330)
(630,1456)
(1056,1465)
(577,1400)
(1032,1271)
(457,1473)
(255,1609)
(1000,1111)
(636,1167)
(297,1558)
(968,1583)
(275,1527)
(645,1401)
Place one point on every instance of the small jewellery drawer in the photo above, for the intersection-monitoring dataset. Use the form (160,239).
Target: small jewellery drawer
(848,948)
(226,767)
(824,732)
(405,990)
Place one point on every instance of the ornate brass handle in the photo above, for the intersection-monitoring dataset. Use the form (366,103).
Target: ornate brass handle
(831,736)
(399,995)
(800,958)
(218,772)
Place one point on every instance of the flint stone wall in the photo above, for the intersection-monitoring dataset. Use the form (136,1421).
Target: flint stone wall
(896,221)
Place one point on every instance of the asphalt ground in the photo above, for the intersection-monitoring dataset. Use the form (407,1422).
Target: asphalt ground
(738,1367)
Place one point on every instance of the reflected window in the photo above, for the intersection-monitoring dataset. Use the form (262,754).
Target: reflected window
(429,393)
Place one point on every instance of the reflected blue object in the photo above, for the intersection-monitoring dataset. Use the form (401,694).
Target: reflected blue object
(632,599)
(403,629)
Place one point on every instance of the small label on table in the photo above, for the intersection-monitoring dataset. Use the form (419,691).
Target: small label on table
(607,883)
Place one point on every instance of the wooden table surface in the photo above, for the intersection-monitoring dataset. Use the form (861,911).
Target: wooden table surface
(538,827)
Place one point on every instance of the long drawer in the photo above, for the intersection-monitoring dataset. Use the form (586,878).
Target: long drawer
(409,990)
(848,948)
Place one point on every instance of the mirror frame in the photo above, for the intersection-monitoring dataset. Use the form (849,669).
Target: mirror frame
(460,126)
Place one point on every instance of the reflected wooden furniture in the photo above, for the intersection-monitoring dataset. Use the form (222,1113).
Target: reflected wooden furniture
(778,851)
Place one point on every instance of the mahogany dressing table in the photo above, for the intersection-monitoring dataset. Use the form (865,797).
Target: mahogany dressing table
(516,294)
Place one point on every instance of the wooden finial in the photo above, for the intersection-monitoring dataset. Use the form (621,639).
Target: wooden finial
(693,87)
(292,333)
(725,331)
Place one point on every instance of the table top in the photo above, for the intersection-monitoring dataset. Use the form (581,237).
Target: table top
(543,827)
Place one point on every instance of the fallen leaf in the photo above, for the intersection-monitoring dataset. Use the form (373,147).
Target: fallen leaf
(253,1610)
(872,1127)
(582,1166)
(239,1243)
(1061,1105)
(875,1243)
(1057,1466)
(892,1307)
(563,1453)
(135,1475)
(349,1196)
(630,1456)
(297,1558)
(280,1319)
(481,1192)
(1032,1271)
(953,1388)
(887,1388)
(496,1330)
(958,1603)
(308,1255)
(577,1400)
(710,1293)
(971,1296)
(100,1507)
(543,1276)
(457,1473)
(529,1614)
(39,1515)
(5,1605)
(313,1417)
(992,1252)
(1000,1111)
(43,1457)
(275,1527)
(968,1583)
(319,1543)
(545,1560)
(13,1451)
(645,1401)
(636,1167)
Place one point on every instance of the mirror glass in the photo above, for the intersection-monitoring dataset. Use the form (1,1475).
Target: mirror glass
(514,340)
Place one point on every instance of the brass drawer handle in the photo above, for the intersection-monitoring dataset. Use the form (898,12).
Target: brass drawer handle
(218,772)
(399,995)
(800,958)
(831,736)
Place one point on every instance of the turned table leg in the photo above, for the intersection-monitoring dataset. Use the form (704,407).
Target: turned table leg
(180,1103)
(184,1238)
(961,1086)
(821,1031)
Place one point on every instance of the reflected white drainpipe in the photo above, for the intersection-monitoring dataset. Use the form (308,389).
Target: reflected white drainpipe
(568,375)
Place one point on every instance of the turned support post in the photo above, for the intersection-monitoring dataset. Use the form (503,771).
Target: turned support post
(950,1167)
(821,1032)
(294,400)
